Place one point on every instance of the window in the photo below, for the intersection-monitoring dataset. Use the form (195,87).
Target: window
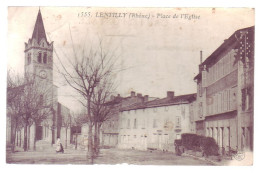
(208,132)
(225,100)
(143,123)
(228,136)
(232,99)
(155,123)
(45,58)
(40,57)
(220,68)
(222,101)
(200,90)
(213,74)
(217,71)
(228,100)
(217,135)
(230,62)
(178,136)
(204,78)
(247,99)
(135,124)
(219,102)
(200,110)
(128,123)
(178,121)
(29,58)
(215,103)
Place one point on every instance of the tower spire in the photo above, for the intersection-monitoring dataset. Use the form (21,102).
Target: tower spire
(39,31)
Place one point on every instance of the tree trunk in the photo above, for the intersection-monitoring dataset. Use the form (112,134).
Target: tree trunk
(20,138)
(13,136)
(98,136)
(53,126)
(25,146)
(34,139)
(90,143)
(29,136)
(17,138)
(96,140)
(76,141)
(66,138)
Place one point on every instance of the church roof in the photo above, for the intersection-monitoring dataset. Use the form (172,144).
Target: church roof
(39,31)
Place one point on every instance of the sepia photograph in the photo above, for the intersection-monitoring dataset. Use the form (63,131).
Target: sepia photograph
(135,86)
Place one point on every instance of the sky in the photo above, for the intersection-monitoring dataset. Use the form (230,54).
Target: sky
(154,55)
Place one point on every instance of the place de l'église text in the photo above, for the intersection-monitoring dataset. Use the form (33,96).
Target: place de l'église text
(138,15)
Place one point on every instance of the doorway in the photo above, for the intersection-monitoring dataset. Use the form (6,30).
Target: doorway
(39,133)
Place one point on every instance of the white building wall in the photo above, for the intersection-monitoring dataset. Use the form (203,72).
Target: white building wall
(156,128)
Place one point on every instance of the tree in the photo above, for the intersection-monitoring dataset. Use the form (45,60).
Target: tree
(86,70)
(100,108)
(15,89)
(28,103)
(37,103)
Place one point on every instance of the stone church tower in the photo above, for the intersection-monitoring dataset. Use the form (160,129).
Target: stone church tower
(39,52)
(39,64)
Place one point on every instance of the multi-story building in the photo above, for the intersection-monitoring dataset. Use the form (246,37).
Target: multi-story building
(225,92)
(110,128)
(155,124)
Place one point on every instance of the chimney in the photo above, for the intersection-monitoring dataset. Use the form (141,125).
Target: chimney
(139,95)
(201,57)
(146,98)
(132,93)
(170,94)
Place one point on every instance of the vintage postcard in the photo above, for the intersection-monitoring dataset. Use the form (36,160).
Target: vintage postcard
(141,86)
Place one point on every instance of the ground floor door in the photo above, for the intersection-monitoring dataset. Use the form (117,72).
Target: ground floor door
(39,133)
(249,138)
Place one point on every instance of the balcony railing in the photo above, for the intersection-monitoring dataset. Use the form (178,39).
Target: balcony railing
(247,78)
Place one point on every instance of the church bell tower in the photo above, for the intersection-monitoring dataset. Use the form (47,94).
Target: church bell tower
(39,53)
(39,64)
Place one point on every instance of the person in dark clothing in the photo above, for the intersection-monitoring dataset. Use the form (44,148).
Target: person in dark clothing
(59,148)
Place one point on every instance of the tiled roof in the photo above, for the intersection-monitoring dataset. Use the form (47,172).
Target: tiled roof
(232,39)
(161,102)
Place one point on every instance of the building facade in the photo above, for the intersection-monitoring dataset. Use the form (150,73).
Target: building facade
(155,124)
(110,128)
(225,92)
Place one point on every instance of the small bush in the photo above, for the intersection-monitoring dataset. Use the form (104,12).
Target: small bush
(209,146)
(187,140)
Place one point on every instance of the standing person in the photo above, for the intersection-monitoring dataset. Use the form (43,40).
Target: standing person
(59,147)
